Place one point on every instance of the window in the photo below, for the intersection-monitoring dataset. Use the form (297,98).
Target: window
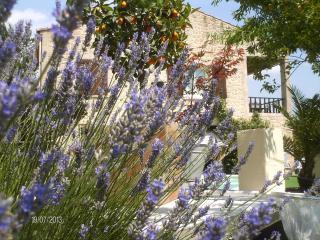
(191,89)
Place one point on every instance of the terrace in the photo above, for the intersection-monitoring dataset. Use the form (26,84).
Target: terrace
(265,104)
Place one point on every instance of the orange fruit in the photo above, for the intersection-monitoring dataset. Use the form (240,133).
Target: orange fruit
(120,21)
(175,36)
(181,45)
(163,39)
(101,28)
(123,4)
(175,13)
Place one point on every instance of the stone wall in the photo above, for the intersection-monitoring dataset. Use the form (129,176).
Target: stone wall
(275,119)
(203,26)
(237,87)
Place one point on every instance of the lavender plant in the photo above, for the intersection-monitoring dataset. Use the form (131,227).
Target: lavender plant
(74,166)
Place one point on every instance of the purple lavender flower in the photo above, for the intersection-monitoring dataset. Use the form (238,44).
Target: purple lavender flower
(143,182)
(50,80)
(9,100)
(261,215)
(114,90)
(91,25)
(163,49)
(178,68)
(57,11)
(277,176)
(117,60)
(243,159)
(67,77)
(11,133)
(215,149)
(129,127)
(60,33)
(154,192)
(203,211)
(5,9)
(84,81)
(39,96)
(33,199)
(135,51)
(226,127)
(253,220)
(7,51)
(157,146)
(67,21)
(107,62)
(83,231)
(183,198)
(116,150)
(206,117)
(268,183)
(214,173)
(56,191)
(6,219)
(215,229)
(150,233)
(265,186)
(122,73)
(39,195)
(103,182)
(48,161)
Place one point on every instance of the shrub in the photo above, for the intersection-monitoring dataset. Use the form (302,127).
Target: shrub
(230,160)
(304,123)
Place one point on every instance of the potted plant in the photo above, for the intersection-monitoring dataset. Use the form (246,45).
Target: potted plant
(304,144)
(301,215)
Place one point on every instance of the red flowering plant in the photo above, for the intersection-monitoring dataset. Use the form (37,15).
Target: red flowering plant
(223,66)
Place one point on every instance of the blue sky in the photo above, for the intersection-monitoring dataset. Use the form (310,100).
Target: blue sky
(40,12)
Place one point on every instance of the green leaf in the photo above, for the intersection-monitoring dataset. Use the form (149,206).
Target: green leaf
(70,2)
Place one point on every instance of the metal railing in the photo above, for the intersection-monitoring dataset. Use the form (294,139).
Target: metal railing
(265,105)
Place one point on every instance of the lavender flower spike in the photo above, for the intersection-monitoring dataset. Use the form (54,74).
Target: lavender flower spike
(83,231)
(5,9)
(215,229)
(6,218)
(154,192)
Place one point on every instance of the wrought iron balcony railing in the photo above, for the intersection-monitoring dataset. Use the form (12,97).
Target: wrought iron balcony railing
(265,105)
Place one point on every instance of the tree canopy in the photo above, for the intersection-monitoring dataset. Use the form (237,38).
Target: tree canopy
(278,28)
(118,20)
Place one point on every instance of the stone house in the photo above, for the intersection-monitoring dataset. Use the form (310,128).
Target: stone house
(235,87)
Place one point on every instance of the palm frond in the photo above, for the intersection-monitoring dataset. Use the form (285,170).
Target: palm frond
(298,99)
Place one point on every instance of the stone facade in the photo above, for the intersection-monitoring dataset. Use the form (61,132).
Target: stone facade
(203,26)
(236,86)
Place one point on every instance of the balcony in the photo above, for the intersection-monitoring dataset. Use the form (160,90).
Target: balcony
(265,104)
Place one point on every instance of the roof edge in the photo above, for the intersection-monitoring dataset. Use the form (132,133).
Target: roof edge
(207,14)
(42,29)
